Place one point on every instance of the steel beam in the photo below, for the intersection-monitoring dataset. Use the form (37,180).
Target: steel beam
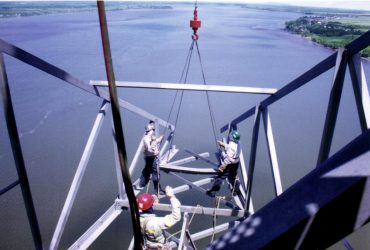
(186,187)
(185,224)
(361,91)
(194,209)
(199,156)
(77,179)
(333,105)
(245,181)
(218,229)
(303,79)
(189,159)
(188,170)
(18,155)
(272,152)
(252,157)
(97,228)
(189,87)
(50,69)
(339,184)
(200,189)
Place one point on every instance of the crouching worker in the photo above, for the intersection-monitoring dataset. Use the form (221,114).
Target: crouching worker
(152,226)
(229,164)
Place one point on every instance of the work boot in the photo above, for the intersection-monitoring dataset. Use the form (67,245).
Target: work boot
(137,187)
(158,189)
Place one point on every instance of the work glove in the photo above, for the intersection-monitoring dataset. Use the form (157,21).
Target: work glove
(222,168)
(169,192)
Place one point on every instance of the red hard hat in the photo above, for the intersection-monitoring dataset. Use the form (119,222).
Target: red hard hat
(145,201)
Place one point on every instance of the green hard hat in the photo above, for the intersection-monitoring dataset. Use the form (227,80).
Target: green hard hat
(235,135)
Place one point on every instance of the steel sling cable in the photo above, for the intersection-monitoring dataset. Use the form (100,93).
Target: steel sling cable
(187,66)
(180,80)
(213,121)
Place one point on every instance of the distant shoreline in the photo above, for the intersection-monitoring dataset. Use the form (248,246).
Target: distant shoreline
(332,31)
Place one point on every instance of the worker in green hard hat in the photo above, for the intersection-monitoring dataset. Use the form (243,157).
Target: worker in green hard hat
(229,164)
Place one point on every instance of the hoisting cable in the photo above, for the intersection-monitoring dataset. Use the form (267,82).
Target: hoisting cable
(122,155)
(194,24)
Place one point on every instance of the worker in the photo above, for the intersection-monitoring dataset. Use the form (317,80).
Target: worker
(230,153)
(151,156)
(152,226)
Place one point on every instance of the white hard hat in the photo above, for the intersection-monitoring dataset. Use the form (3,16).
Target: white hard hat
(149,127)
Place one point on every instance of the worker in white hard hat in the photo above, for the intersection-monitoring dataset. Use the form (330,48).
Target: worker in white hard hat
(151,156)
(152,226)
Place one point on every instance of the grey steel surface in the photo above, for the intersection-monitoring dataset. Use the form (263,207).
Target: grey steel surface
(272,152)
(333,105)
(189,87)
(195,209)
(283,220)
(361,91)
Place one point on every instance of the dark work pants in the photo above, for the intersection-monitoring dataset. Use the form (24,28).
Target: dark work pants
(230,173)
(151,168)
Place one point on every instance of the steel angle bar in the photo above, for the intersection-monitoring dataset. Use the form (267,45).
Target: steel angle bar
(188,170)
(18,154)
(306,77)
(50,69)
(252,157)
(272,152)
(186,187)
(359,44)
(239,119)
(195,209)
(361,91)
(218,229)
(185,225)
(136,156)
(333,105)
(169,154)
(189,159)
(9,187)
(202,190)
(201,157)
(165,145)
(97,228)
(190,87)
(77,179)
(336,183)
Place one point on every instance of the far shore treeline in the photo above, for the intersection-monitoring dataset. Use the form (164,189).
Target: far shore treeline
(330,30)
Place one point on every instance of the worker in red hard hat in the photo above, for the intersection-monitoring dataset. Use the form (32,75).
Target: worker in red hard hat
(152,226)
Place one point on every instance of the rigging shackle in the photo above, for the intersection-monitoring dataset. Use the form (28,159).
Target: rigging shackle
(195,24)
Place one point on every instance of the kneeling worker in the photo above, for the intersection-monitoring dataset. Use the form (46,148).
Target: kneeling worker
(152,226)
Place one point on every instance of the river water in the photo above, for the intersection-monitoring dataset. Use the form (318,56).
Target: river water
(239,46)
